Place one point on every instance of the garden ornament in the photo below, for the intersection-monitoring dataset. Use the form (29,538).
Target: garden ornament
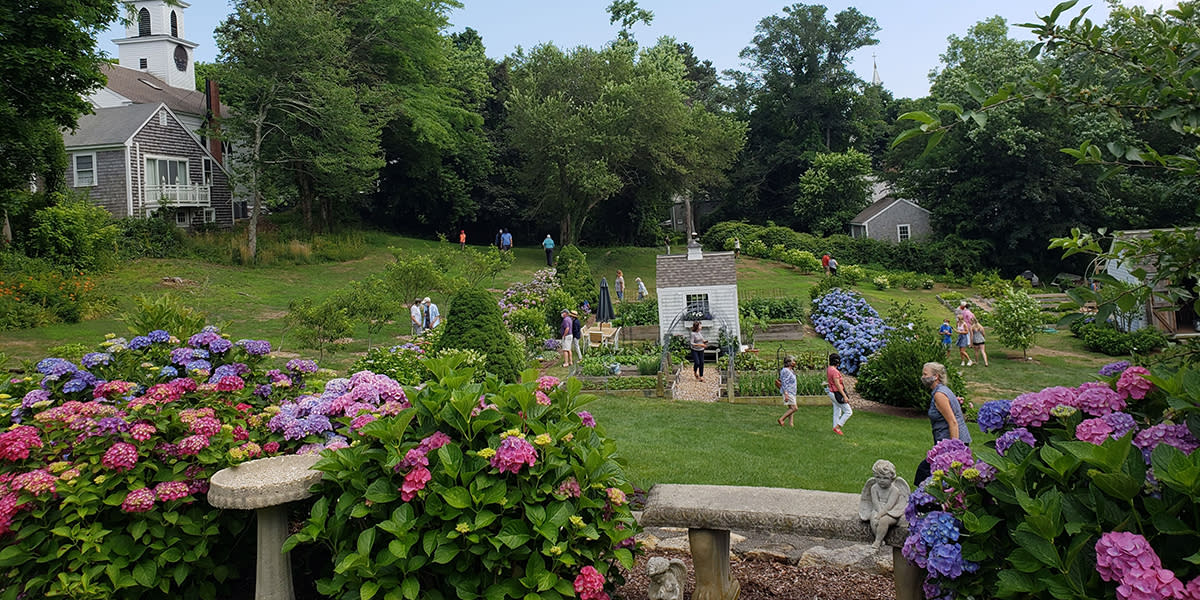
(883,499)
(666,578)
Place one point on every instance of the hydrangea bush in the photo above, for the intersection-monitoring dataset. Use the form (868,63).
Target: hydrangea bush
(1088,492)
(104,465)
(854,328)
(406,363)
(476,490)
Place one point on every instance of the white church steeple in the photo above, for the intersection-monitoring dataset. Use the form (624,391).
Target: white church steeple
(154,43)
(875,80)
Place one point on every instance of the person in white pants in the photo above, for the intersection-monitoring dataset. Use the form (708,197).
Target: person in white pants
(836,389)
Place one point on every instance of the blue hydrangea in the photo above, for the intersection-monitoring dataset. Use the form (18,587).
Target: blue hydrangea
(993,416)
(159,336)
(220,345)
(55,367)
(939,527)
(95,359)
(168,371)
(199,365)
(255,347)
(140,342)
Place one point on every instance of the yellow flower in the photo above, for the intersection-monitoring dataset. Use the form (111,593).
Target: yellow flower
(462,528)
(58,466)
(543,439)
(109,336)
(99,479)
(512,432)
(226,428)
(4,396)
(69,475)
(486,453)
(237,453)
(971,474)
(556,550)
(956,464)
(577,520)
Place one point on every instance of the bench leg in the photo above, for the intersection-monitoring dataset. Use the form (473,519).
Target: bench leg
(907,576)
(710,557)
(273,575)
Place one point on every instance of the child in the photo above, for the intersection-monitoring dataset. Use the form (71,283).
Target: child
(837,393)
(964,340)
(946,330)
(641,287)
(787,385)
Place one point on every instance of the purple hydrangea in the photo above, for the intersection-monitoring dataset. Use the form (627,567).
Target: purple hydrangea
(300,365)
(220,345)
(1098,399)
(993,416)
(53,368)
(1020,434)
(1114,369)
(1122,424)
(33,397)
(199,365)
(95,359)
(1029,410)
(140,342)
(1172,435)
(111,425)
(255,347)
(159,336)
(587,418)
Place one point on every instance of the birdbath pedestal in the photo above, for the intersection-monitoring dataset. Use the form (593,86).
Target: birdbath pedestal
(265,486)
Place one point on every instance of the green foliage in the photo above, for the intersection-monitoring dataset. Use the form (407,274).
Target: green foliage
(34,292)
(751,324)
(832,191)
(320,326)
(762,383)
(530,323)
(461,526)
(73,352)
(597,366)
(951,297)
(649,365)
(474,323)
(371,303)
(165,311)
(622,383)
(74,233)
(893,375)
(784,308)
(1018,320)
(149,238)
(631,313)
(1107,339)
(574,276)
(408,364)
(825,284)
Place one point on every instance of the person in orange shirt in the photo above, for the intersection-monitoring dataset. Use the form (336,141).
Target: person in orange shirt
(462,239)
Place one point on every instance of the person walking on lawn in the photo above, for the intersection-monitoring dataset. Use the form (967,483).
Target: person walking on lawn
(462,239)
(417,315)
(699,345)
(566,334)
(548,244)
(787,387)
(837,393)
(620,285)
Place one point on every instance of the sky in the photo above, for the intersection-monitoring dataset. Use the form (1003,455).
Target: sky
(912,35)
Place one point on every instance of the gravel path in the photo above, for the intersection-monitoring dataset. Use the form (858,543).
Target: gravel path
(686,387)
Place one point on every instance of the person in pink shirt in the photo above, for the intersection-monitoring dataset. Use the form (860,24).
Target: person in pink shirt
(836,388)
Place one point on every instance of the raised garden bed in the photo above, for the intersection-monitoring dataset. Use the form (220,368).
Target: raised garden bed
(621,382)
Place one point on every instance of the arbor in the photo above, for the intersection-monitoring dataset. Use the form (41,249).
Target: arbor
(1018,320)
(592,126)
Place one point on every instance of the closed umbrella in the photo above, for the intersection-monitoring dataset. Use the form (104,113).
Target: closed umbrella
(604,311)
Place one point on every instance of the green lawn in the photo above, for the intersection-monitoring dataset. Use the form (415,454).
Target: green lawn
(733,444)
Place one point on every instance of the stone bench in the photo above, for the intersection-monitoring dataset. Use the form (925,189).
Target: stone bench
(265,486)
(709,512)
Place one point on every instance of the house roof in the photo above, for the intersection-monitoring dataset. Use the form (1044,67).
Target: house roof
(714,268)
(881,206)
(109,126)
(141,87)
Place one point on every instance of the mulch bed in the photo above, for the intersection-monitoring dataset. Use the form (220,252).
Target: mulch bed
(768,580)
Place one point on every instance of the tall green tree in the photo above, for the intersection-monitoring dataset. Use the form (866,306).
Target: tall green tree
(802,92)
(297,116)
(833,191)
(592,124)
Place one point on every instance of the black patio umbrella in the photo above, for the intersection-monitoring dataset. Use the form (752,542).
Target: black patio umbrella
(604,310)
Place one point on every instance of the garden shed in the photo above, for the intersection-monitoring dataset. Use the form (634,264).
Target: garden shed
(697,286)
(889,218)
(1179,319)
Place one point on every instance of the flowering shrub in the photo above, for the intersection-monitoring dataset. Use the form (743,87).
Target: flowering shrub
(1088,492)
(845,320)
(477,490)
(531,294)
(104,464)
(405,363)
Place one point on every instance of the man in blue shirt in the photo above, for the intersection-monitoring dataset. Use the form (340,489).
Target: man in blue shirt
(506,240)
(548,244)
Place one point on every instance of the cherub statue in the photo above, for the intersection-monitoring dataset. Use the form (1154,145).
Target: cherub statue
(883,499)
(666,578)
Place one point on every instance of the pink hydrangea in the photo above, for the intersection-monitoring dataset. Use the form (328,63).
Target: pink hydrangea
(1121,552)
(361,420)
(1150,584)
(587,418)
(113,389)
(192,445)
(434,441)
(414,457)
(271,447)
(947,452)
(1133,383)
(205,426)
(142,430)
(1097,399)
(414,482)
(616,496)
(240,433)
(569,488)
(16,444)
(546,383)
(139,500)
(514,452)
(589,584)
(1164,433)
(230,383)
(1029,410)
(1059,396)
(122,456)
(1093,430)
(542,398)
(36,482)
(171,490)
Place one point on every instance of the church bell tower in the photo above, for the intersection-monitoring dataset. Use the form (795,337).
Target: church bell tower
(154,43)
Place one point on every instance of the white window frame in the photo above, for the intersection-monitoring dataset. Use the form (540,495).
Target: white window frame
(162,118)
(182,217)
(697,303)
(210,215)
(75,169)
(186,170)
(206,172)
(903,232)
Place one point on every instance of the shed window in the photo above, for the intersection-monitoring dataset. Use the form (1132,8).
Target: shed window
(902,232)
(174,25)
(697,307)
(143,63)
(143,22)
(85,170)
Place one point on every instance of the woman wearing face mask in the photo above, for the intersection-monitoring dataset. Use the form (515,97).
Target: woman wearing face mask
(945,412)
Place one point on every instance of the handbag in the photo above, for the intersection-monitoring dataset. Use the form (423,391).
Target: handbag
(839,397)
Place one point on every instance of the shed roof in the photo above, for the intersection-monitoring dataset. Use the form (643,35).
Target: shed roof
(109,126)
(881,206)
(141,87)
(714,268)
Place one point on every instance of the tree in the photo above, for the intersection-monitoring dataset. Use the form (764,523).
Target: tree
(592,125)
(297,117)
(574,275)
(1018,320)
(474,322)
(833,191)
(802,92)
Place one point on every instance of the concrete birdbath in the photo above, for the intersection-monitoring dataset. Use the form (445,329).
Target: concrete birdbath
(265,486)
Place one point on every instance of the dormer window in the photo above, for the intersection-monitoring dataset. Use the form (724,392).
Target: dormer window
(143,22)
(174,25)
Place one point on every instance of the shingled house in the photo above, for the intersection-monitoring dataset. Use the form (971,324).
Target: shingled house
(889,218)
(697,286)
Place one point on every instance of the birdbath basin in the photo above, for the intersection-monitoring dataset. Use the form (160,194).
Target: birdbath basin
(265,486)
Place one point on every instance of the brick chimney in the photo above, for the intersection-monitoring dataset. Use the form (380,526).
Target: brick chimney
(212,105)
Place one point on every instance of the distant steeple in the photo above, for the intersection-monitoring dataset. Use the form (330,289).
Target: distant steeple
(875,80)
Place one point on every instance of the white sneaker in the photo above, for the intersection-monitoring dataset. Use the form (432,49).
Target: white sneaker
(962,364)
(970,363)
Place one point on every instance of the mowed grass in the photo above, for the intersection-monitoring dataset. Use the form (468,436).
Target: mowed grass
(732,444)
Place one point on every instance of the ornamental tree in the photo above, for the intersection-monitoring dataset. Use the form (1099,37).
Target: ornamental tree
(1018,320)
(474,322)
